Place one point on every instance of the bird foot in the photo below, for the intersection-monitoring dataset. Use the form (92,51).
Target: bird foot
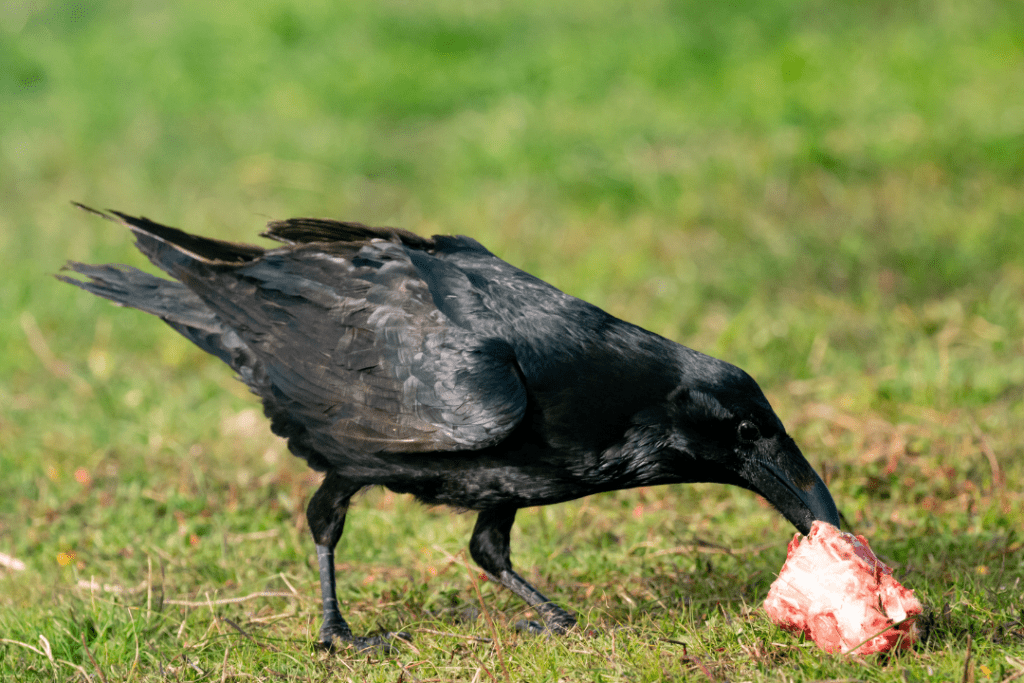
(332,641)
(552,628)
(534,628)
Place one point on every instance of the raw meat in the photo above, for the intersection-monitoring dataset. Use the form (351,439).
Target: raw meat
(833,589)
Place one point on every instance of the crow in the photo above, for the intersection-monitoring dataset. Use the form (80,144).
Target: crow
(431,367)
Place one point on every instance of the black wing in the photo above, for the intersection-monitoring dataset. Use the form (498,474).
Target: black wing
(356,356)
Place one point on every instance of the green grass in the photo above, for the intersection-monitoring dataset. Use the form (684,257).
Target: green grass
(827,195)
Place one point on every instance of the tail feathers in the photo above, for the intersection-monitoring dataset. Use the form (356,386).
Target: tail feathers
(173,303)
(174,250)
(127,286)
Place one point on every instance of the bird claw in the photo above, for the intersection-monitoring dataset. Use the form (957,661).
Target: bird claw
(533,628)
(536,628)
(382,644)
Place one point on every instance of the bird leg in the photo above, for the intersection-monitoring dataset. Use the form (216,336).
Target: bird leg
(489,547)
(326,516)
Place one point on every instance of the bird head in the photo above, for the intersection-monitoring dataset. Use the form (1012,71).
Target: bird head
(727,432)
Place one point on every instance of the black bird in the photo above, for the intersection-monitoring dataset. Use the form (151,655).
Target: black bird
(432,367)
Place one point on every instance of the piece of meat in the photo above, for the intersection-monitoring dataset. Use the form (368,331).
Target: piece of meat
(833,589)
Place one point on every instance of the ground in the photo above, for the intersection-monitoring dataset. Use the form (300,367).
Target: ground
(825,195)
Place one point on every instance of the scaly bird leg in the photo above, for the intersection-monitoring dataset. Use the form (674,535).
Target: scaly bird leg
(326,516)
(489,547)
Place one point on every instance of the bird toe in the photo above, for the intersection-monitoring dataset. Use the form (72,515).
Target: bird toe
(533,628)
(384,644)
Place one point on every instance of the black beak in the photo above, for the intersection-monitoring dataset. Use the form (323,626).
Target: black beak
(788,482)
(815,502)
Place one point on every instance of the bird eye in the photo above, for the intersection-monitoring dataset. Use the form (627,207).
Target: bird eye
(748,432)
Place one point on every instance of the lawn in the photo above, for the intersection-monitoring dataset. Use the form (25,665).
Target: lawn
(827,195)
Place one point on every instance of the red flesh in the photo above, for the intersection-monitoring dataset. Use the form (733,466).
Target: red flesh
(833,589)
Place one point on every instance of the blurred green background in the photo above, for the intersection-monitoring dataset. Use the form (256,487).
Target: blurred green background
(826,194)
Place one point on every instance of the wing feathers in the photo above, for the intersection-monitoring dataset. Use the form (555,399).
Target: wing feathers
(355,355)
(307,230)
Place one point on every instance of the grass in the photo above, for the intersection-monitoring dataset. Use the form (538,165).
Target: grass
(826,195)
